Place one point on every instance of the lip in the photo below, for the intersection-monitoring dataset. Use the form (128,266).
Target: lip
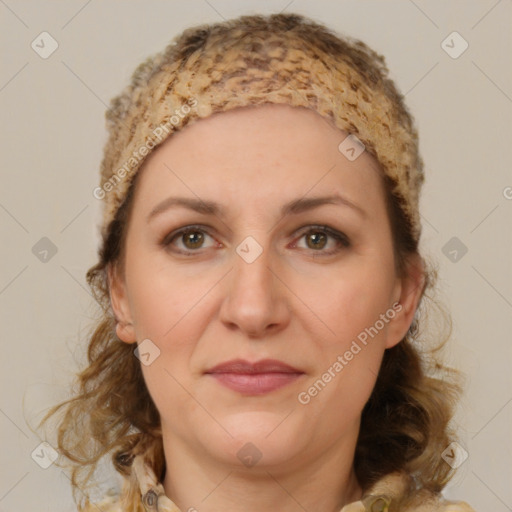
(241,366)
(254,378)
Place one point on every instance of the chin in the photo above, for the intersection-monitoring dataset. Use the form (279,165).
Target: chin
(260,439)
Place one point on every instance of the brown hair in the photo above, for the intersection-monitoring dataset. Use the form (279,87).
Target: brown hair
(405,425)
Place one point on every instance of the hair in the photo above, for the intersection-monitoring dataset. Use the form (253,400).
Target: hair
(405,425)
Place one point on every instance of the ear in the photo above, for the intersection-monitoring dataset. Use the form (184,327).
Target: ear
(407,296)
(120,305)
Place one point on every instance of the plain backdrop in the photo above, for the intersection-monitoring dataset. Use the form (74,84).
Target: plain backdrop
(52,138)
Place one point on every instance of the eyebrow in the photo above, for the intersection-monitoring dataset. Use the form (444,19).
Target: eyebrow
(291,208)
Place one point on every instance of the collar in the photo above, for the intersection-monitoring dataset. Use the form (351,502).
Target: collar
(381,497)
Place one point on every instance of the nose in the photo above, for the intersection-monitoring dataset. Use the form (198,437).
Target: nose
(255,300)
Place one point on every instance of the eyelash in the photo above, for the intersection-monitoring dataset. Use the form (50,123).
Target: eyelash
(341,238)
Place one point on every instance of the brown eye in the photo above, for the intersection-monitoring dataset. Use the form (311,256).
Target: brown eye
(317,238)
(192,239)
(187,240)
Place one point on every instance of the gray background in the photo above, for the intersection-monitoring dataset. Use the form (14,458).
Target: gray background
(52,139)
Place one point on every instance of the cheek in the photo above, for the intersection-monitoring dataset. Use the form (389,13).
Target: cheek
(348,361)
(168,307)
(355,299)
(161,298)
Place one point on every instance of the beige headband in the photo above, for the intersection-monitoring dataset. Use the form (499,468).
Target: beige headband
(254,60)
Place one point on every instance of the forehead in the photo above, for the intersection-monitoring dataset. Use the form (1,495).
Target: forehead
(270,153)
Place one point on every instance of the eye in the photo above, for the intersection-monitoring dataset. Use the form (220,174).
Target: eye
(192,238)
(317,238)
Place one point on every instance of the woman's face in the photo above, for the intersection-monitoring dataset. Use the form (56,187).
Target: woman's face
(268,270)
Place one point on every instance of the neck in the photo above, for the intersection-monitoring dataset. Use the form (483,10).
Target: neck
(325,483)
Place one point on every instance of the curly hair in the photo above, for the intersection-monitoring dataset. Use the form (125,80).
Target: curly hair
(405,425)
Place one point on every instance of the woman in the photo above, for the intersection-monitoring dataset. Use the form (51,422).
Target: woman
(260,276)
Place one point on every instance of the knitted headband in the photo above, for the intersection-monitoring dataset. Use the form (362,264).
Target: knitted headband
(253,60)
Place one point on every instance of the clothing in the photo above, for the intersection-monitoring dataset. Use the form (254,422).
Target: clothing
(251,60)
(379,498)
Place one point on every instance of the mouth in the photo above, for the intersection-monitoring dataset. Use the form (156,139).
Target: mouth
(254,378)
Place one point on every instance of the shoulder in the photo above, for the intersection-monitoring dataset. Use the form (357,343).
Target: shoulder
(107,504)
(393,488)
(431,503)
(458,506)
(444,506)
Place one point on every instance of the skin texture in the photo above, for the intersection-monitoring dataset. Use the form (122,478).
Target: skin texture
(294,303)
